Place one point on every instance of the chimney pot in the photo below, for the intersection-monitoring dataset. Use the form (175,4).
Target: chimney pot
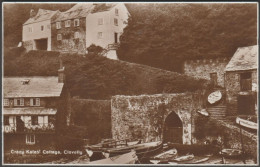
(32,13)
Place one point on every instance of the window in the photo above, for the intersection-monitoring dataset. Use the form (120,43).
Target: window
(58,25)
(34,120)
(43,120)
(42,28)
(35,102)
(59,37)
(246,81)
(115,22)
(6,102)
(100,21)
(30,139)
(30,29)
(76,35)
(116,12)
(6,120)
(100,35)
(67,23)
(19,102)
(76,22)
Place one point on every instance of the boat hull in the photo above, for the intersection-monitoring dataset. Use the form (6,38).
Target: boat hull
(246,123)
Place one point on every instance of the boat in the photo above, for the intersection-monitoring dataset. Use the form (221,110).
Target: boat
(197,160)
(183,158)
(231,153)
(203,112)
(165,156)
(143,151)
(246,123)
(214,97)
(128,158)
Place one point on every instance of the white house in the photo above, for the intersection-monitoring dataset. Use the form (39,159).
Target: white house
(37,30)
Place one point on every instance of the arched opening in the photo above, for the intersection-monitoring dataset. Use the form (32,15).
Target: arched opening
(173,129)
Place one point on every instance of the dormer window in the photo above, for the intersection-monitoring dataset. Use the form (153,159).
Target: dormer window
(25,81)
(67,23)
(6,102)
(19,102)
(35,102)
(116,12)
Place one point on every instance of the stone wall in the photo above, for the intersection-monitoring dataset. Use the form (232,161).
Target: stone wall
(68,42)
(232,83)
(203,68)
(143,116)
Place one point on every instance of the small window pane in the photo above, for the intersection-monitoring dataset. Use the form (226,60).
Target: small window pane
(116,22)
(100,21)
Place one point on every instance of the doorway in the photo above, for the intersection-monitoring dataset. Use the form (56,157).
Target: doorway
(116,37)
(214,78)
(41,44)
(173,129)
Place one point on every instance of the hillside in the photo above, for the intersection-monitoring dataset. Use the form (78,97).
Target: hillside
(163,35)
(97,77)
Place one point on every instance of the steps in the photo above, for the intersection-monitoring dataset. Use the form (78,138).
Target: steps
(217,112)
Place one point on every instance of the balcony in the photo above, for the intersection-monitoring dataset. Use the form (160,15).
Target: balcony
(29,128)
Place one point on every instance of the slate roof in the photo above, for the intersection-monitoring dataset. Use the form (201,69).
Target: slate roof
(82,10)
(41,16)
(37,87)
(245,58)
(30,111)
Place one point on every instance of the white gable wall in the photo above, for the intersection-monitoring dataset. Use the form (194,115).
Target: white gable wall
(37,33)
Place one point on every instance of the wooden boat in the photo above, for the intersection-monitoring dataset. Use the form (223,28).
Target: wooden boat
(203,112)
(197,160)
(128,158)
(143,151)
(165,156)
(183,158)
(231,153)
(214,97)
(246,123)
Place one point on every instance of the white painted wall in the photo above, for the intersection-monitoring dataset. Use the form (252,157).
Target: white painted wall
(37,33)
(108,28)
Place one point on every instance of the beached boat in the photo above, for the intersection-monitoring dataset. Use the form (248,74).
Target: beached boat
(203,112)
(214,97)
(128,158)
(231,153)
(143,151)
(197,160)
(165,156)
(183,158)
(246,123)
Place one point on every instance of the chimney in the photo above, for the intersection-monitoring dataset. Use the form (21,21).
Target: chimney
(32,13)
(61,74)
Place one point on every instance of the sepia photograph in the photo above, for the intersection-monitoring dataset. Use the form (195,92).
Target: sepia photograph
(135,83)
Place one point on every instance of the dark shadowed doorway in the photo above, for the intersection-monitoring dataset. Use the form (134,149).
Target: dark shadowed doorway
(41,44)
(173,129)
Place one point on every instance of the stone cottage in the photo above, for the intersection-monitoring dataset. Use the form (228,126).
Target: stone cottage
(32,111)
(76,29)
(241,81)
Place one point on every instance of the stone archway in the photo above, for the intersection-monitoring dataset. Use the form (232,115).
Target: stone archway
(173,129)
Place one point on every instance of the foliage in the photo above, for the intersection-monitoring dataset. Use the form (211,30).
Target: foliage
(163,35)
(95,115)
(95,50)
(96,77)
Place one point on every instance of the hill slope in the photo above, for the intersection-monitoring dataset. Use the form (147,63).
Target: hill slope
(97,77)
